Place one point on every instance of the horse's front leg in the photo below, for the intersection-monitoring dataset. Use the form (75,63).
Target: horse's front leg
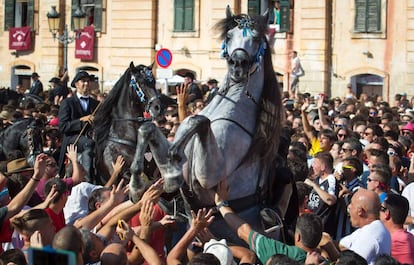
(148,135)
(196,143)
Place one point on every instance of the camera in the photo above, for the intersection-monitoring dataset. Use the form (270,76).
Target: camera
(48,255)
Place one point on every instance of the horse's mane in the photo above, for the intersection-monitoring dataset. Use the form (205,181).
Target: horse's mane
(103,117)
(267,136)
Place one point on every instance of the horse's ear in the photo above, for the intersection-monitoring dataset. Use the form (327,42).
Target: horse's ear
(151,65)
(266,14)
(131,65)
(229,14)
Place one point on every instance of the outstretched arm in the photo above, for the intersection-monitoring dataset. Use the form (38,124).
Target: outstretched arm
(305,122)
(152,194)
(198,223)
(182,99)
(242,228)
(78,173)
(117,167)
(21,199)
(148,253)
(116,196)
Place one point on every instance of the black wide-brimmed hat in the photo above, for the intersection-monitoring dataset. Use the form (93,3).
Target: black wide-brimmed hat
(80,75)
(54,80)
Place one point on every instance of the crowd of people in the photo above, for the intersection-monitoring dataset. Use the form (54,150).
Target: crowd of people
(351,158)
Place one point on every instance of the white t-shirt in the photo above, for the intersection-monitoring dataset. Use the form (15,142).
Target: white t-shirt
(77,204)
(408,192)
(369,241)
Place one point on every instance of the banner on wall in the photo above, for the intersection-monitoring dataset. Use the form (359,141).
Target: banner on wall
(20,39)
(84,48)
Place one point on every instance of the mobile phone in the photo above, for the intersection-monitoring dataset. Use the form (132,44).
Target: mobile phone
(49,256)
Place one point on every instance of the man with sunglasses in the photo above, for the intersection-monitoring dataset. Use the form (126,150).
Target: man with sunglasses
(349,183)
(379,180)
(371,237)
(393,214)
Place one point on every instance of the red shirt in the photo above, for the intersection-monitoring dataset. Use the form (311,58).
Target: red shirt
(58,220)
(157,240)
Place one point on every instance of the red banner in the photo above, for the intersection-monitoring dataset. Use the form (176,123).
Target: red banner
(85,44)
(20,39)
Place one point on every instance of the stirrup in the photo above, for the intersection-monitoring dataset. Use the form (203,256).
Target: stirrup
(271,220)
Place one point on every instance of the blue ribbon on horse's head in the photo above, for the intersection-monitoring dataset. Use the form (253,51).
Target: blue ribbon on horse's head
(133,84)
(245,24)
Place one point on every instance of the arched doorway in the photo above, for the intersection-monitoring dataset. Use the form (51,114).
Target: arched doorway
(370,84)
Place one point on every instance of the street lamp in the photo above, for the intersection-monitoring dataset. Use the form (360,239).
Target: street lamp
(53,18)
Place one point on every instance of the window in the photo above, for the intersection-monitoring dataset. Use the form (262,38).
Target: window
(367,16)
(19,13)
(183,15)
(95,11)
(253,7)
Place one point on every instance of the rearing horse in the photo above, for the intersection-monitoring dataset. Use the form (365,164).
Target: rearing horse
(121,114)
(236,137)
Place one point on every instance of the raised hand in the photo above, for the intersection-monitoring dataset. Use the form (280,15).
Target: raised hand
(154,191)
(222,192)
(72,153)
(182,94)
(202,220)
(119,163)
(40,165)
(147,213)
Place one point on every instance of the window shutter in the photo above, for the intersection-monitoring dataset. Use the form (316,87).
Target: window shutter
(75,4)
(253,7)
(8,14)
(97,16)
(30,14)
(374,16)
(360,16)
(284,16)
(178,15)
(188,15)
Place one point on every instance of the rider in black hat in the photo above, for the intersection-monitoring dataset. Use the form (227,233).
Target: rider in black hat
(58,90)
(74,113)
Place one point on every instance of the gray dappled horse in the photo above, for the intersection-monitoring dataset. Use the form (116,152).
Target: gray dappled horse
(118,119)
(236,137)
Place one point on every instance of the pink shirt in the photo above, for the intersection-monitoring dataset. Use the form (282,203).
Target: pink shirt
(402,246)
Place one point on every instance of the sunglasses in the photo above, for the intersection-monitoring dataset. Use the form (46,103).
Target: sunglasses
(346,149)
(347,167)
(339,125)
(373,113)
(370,179)
(341,135)
(383,208)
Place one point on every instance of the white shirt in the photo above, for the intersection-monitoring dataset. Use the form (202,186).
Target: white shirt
(77,204)
(369,241)
(408,192)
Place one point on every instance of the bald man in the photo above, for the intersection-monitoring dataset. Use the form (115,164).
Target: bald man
(69,238)
(114,254)
(371,238)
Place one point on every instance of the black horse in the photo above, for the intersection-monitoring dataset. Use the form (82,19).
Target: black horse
(7,95)
(120,116)
(23,136)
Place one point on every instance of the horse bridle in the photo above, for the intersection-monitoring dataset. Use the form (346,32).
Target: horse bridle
(133,84)
(140,93)
(246,24)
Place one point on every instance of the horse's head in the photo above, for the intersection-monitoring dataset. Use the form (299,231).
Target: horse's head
(244,43)
(143,82)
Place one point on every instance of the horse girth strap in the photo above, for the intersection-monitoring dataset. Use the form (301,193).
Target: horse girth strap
(139,119)
(122,141)
(237,123)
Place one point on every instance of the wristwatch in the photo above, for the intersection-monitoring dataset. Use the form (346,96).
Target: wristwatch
(221,204)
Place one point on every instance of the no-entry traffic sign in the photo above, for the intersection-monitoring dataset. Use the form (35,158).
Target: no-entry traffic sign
(164,58)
